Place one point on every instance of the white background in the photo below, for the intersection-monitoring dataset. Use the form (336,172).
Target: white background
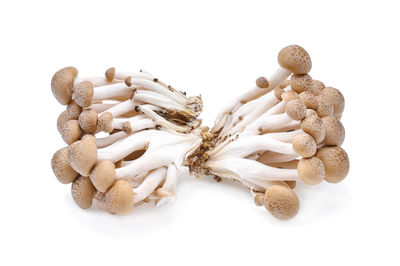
(217,49)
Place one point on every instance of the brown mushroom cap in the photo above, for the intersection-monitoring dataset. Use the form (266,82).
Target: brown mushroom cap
(62,84)
(278,93)
(334,131)
(295,59)
(62,119)
(289,95)
(324,106)
(311,112)
(73,110)
(296,109)
(284,84)
(259,199)
(89,137)
(88,120)
(281,202)
(104,122)
(312,124)
(317,87)
(71,131)
(336,98)
(301,82)
(61,168)
(311,170)
(83,93)
(262,82)
(336,163)
(308,99)
(83,191)
(110,74)
(82,156)
(304,145)
(103,175)
(120,197)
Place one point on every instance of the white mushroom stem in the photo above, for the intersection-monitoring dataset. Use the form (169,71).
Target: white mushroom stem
(121,108)
(280,75)
(150,139)
(136,123)
(249,145)
(101,107)
(124,75)
(149,184)
(149,111)
(248,113)
(110,139)
(250,170)
(97,81)
(112,91)
(161,101)
(155,157)
(153,86)
(171,180)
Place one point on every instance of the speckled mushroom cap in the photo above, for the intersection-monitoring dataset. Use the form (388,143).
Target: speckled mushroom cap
(259,199)
(83,93)
(73,110)
(317,87)
(281,202)
(335,131)
(295,59)
(71,131)
(296,109)
(311,170)
(324,106)
(278,93)
(119,197)
(62,84)
(62,119)
(312,124)
(336,98)
(104,122)
(82,156)
(110,74)
(61,168)
(304,145)
(289,95)
(83,191)
(284,84)
(88,120)
(262,82)
(308,99)
(301,82)
(336,163)
(103,175)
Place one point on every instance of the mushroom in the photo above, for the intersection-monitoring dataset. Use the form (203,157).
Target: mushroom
(61,168)
(62,84)
(281,202)
(334,129)
(119,198)
(83,191)
(336,163)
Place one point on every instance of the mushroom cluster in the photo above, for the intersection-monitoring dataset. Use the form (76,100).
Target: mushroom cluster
(128,137)
(285,130)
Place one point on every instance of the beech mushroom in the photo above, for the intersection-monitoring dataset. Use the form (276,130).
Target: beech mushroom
(83,191)
(119,198)
(336,163)
(266,141)
(281,202)
(61,168)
